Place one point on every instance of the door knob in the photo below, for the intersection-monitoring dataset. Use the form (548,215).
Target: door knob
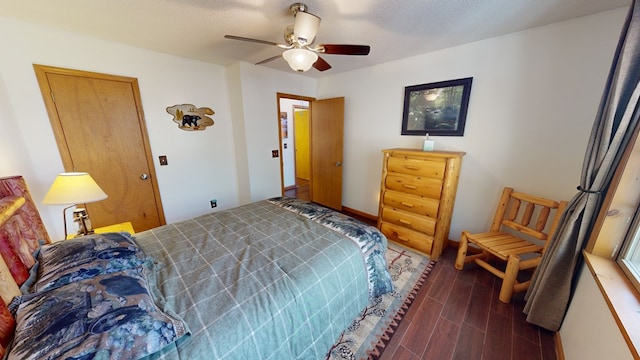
(144,176)
(339,163)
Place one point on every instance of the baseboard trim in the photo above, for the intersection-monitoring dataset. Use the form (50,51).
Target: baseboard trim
(359,213)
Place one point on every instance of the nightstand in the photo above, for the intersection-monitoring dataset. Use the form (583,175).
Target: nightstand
(123,226)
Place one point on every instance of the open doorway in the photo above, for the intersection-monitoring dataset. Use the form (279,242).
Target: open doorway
(295,145)
(325,142)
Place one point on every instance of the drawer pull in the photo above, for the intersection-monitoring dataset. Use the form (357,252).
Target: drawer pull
(409,186)
(401,238)
(405,222)
(407,204)
(412,167)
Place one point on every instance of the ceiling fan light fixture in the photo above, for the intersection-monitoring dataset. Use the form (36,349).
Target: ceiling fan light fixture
(300,53)
(300,59)
(305,27)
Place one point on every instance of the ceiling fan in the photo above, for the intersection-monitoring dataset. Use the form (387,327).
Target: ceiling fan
(300,52)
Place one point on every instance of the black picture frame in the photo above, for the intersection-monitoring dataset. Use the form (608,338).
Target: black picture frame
(437,109)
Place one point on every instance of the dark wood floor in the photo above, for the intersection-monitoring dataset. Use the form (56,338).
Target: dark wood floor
(445,323)
(300,190)
(457,315)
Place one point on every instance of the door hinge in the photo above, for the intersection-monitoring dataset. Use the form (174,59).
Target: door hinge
(53,98)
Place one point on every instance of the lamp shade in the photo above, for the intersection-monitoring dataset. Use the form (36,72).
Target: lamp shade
(300,59)
(73,188)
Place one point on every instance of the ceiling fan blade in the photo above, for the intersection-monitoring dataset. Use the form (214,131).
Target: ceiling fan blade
(321,65)
(338,49)
(269,59)
(233,37)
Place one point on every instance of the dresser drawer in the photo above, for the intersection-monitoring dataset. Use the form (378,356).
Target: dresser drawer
(432,168)
(412,203)
(423,224)
(414,185)
(418,190)
(407,237)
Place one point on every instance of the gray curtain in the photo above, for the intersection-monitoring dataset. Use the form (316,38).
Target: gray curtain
(553,282)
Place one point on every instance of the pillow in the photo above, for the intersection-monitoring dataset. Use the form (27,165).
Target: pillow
(104,317)
(67,261)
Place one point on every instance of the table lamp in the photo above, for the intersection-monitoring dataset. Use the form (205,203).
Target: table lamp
(75,188)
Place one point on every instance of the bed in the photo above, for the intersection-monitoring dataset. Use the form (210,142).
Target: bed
(275,279)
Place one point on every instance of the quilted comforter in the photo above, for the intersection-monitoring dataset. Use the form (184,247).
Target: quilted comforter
(277,279)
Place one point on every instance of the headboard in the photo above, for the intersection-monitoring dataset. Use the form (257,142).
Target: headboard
(12,269)
(21,229)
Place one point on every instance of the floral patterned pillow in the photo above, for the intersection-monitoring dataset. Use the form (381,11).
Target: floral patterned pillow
(103,317)
(67,261)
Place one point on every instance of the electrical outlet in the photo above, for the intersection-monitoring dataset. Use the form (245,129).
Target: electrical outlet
(214,203)
(274,153)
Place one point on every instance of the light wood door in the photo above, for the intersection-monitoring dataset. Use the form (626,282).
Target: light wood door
(327,134)
(99,127)
(301,141)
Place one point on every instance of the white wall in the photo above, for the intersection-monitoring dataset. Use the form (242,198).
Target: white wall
(29,147)
(12,140)
(239,133)
(259,89)
(533,101)
(589,331)
(230,161)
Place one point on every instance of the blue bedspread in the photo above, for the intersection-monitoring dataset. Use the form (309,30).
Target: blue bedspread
(260,281)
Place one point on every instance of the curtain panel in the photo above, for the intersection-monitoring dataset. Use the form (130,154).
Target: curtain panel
(553,282)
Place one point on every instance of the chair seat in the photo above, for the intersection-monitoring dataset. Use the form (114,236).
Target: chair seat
(502,244)
(516,236)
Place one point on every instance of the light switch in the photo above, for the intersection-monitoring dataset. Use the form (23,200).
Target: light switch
(163,160)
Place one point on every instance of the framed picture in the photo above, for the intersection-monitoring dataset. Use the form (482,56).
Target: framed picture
(284,126)
(438,109)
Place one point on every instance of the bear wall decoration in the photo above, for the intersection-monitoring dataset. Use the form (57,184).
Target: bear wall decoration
(189,117)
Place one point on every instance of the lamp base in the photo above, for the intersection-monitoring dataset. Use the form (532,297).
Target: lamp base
(84,223)
(81,234)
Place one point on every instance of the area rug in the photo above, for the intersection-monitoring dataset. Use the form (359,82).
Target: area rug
(369,333)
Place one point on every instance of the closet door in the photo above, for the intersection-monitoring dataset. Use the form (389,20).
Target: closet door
(99,127)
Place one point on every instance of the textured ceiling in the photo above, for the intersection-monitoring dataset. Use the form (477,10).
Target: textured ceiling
(394,29)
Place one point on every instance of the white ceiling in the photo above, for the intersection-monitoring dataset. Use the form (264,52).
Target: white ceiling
(394,29)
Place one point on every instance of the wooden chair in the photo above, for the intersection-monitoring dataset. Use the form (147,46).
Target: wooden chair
(511,236)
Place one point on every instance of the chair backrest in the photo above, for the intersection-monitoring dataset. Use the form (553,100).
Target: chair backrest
(517,211)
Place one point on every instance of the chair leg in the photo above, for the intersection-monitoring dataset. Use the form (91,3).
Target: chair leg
(462,251)
(509,280)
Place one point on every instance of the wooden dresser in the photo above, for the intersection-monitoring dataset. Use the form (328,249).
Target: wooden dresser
(417,194)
